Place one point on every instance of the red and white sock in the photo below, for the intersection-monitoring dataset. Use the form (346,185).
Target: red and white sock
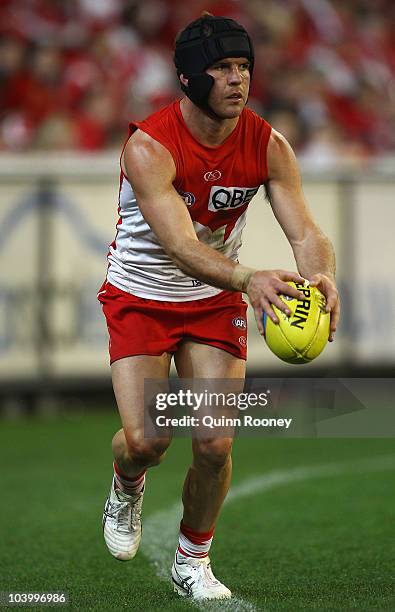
(194,543)
(130,486)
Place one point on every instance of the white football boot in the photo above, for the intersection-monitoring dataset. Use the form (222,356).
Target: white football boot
(194,578)
(122,523)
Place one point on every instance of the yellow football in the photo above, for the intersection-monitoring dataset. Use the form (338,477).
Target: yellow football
(302,336)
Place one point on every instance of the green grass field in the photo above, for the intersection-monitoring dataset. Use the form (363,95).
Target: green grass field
(315,533)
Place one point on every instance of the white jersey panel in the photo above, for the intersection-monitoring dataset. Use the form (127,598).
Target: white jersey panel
(139,265)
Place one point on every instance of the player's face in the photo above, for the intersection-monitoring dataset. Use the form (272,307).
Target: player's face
(229,93)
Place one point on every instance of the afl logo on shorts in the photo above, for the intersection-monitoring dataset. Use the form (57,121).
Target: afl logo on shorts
(240,323)
(212,176)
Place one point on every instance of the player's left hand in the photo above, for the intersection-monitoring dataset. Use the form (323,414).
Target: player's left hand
(327,286)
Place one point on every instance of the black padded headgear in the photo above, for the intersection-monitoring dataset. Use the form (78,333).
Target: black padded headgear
(204,42)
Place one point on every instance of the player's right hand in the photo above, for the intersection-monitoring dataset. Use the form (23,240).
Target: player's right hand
(264,289)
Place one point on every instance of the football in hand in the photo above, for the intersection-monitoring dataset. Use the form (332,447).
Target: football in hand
(302,336)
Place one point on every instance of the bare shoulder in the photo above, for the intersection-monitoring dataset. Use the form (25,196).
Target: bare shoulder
(280,156)
(144,154)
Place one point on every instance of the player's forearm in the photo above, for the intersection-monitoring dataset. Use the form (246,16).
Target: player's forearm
(202,262)
(314,254)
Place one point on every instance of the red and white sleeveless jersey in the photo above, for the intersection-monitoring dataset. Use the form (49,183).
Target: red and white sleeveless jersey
(216,183)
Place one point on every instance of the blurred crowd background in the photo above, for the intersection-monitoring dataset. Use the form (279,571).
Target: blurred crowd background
(73,73)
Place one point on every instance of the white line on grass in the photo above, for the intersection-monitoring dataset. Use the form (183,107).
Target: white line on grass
(160,530)
(276,478)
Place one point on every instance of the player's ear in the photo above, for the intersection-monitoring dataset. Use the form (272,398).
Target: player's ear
(184,80)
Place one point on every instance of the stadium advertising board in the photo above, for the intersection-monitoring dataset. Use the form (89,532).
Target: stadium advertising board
(55,228)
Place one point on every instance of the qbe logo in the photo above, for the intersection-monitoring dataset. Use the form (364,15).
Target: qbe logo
(227,198)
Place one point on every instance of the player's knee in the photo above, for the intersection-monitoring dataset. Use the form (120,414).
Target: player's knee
(147,452)
(213,454)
